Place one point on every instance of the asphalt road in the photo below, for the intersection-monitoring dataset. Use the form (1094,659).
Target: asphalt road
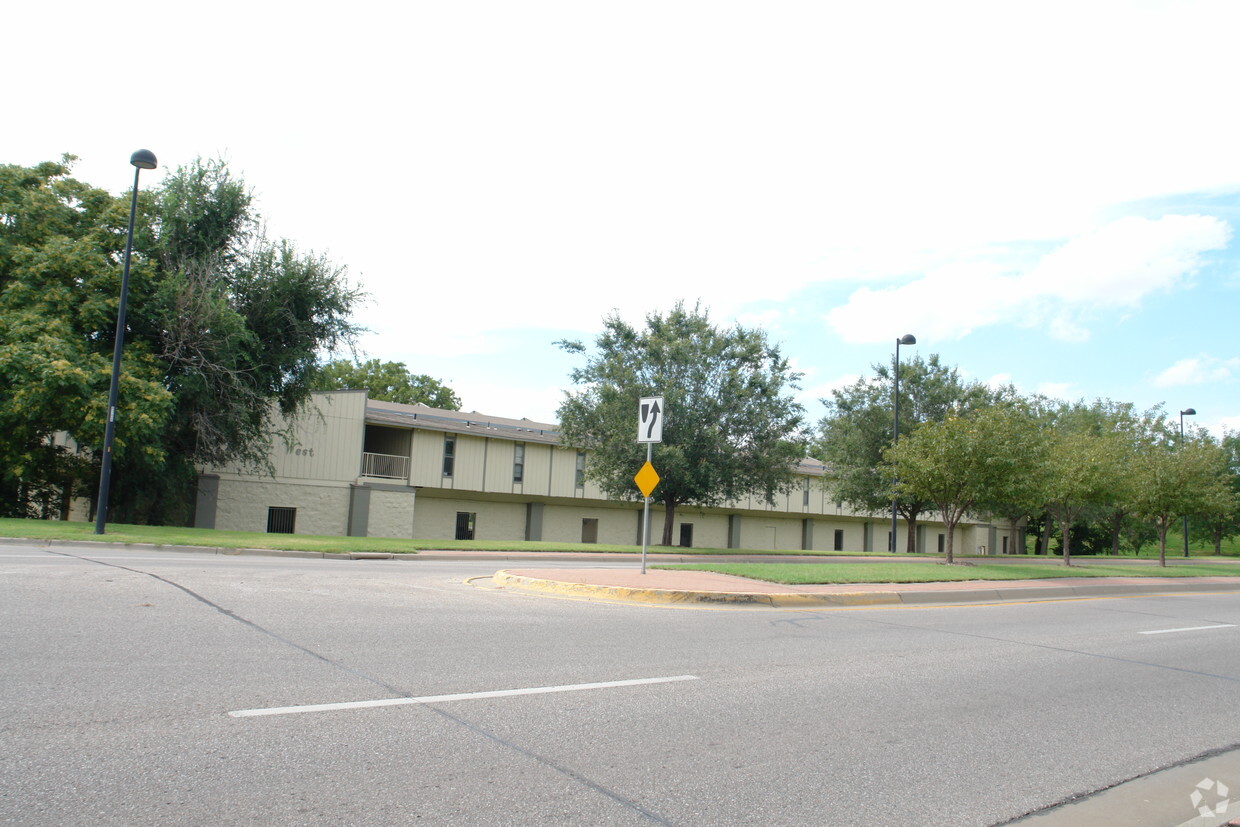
(136,688)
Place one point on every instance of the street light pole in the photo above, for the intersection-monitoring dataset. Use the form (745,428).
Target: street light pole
(1184,413)
(142,159)
(906,339)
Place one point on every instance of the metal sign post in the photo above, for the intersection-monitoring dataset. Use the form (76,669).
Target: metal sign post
(646,512)
(649,431)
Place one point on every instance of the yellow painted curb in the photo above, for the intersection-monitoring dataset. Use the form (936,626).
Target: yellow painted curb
(505,579)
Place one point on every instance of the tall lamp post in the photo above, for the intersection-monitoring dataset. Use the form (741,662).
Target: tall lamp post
(1184,413)
(906,339)
(142,159)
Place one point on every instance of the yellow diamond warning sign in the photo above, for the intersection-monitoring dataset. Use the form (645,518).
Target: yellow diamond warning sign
(646,479)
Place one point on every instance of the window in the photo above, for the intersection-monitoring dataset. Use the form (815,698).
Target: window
(466,522)
(449,454)
(281,520)
(518,462)
(581,469)
(805,492)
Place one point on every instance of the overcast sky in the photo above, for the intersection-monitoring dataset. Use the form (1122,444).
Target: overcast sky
(1044,193)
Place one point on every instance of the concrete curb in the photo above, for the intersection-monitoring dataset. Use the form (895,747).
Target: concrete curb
(907,597)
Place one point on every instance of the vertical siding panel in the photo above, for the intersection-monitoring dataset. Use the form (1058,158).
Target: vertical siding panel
(563,473)
(500,454)
(426,465)
(470,459)
(537,468)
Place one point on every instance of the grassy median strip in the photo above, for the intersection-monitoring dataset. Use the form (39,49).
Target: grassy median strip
(213,538)
(804,574)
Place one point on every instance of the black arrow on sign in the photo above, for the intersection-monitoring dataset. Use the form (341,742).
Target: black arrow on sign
(654,415)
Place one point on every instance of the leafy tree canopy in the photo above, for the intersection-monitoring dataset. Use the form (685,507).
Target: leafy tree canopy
(962,461)
(858,428)
(732,427)
(1090,447)
(1223,521)
(389,381)
(1173,479)
(222,323)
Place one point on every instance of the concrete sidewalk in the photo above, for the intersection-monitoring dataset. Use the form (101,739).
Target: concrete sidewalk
(685,586)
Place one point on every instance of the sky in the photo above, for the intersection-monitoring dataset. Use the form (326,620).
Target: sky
(1044,193)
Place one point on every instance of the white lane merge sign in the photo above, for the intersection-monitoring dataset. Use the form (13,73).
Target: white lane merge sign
(650,419)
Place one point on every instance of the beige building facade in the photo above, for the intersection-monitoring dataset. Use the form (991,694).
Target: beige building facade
(361,467)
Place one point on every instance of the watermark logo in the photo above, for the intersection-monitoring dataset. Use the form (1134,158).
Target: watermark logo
(1210,790)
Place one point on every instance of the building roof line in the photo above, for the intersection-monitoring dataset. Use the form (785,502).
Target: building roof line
(486,423)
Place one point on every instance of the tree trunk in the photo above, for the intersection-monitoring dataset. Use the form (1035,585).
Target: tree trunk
(66,499)
(1116,523)
(1045,543)
(910,547)
(1013,530)
(1067,539)
(1162,542)
(669,519)
(947,545)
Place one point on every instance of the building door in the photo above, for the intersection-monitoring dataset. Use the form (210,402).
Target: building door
(838,545)
(686,535)
(589,530)
(465,523)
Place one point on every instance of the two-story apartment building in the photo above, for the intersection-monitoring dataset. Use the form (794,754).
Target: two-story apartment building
(361,467)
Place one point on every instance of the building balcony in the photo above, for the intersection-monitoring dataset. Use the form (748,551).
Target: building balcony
(385,466)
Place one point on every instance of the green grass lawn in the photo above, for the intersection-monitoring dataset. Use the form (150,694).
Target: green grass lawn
(175,536)
(1175,548)
(811,573)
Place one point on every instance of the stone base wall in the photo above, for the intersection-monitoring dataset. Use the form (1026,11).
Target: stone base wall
(242,505)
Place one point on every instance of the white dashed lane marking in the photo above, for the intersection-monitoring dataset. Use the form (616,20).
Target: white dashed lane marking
(1189,629)
(464,696)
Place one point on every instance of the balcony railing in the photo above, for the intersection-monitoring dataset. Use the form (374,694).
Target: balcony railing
(385,466)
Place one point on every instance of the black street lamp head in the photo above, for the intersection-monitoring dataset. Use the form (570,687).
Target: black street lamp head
(143,159)
(907,339)
(1188,412)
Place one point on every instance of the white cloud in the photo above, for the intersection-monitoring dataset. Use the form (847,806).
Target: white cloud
(1198,370)
(1117,265)
(1055,390)
(514,401)
(1126,260)
(1227,424)
(823,391)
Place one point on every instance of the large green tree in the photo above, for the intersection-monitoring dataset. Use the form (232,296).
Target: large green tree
(389,381)
(222,325)
(1223,521)
(732,427)
(1089,449)
(988,455)
(858,428)
(1172,480)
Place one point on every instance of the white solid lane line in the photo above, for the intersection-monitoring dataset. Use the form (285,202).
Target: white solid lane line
(465,696)
(1189,629)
